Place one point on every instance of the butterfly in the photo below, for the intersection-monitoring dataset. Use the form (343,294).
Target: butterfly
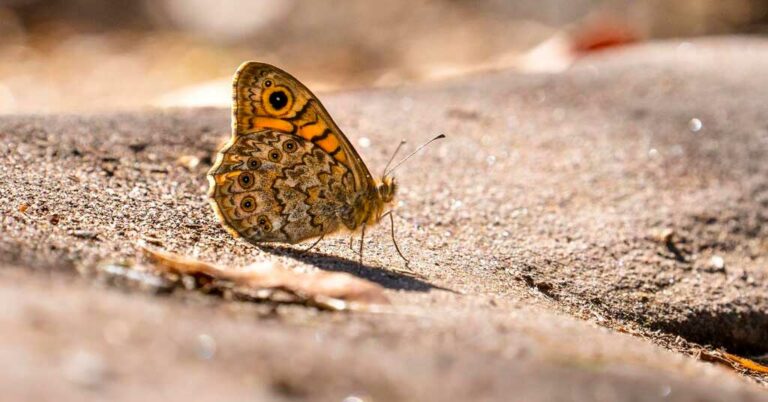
(288,173)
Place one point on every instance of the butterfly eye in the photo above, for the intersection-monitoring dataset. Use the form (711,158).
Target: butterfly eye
(275,155)
(253,163)
(267,83)
(263,223)
(248,204)
(290,146)
(245,180)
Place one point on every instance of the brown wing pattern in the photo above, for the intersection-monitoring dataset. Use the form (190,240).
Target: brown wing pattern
(269,186)
(267,97)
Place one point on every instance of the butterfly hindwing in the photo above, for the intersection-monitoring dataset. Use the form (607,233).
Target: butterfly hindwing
(267,97)
(268,186)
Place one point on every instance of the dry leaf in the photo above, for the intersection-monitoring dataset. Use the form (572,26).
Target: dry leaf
(328,289)
(746,363)
(733,361)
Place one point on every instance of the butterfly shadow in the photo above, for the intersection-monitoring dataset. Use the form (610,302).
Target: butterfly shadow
(379,275)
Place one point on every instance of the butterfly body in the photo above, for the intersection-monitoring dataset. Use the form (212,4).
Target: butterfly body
(288,174)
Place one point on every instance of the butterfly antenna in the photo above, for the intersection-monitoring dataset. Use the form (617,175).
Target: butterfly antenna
(386,173)
(402,142)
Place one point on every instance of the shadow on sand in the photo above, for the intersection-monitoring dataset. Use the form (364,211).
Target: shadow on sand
(379,275)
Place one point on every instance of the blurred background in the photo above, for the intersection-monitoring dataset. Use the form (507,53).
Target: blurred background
(98,55)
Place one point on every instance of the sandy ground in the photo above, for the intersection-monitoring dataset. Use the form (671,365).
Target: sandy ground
(581,236)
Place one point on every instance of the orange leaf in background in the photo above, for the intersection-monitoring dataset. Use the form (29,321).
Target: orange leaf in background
(603,32)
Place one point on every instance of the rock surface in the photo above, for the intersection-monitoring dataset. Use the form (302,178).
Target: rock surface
(564,214)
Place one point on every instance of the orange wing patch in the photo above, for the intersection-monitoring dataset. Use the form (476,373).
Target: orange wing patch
(312,130)
(266,97)
(271,122)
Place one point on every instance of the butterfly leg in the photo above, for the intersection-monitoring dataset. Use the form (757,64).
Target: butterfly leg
(362,238)
(392,232)
(407,269)
(314,244)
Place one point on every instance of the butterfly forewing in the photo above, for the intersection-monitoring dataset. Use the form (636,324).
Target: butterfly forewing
(267,97)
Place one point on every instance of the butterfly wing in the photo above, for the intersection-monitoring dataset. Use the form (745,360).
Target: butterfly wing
(267,97)
(271,186)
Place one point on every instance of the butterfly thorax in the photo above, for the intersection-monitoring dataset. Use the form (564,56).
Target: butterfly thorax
(387,189)
(370,206)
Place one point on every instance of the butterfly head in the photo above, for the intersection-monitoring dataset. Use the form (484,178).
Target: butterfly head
(387,189)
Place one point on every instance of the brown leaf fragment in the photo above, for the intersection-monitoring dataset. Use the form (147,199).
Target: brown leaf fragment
(125,275)
(331,290)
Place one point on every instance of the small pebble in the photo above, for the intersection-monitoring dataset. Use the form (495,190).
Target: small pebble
(716,263)
(188,161)
(84,234)
(206,347)
(695,125)
(666,390)
(85,369)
